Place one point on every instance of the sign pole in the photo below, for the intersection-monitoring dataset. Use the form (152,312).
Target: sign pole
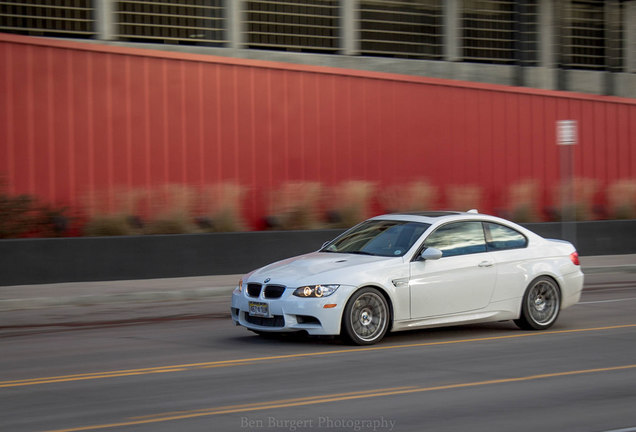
(566,139)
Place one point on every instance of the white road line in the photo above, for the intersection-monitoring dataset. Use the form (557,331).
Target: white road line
(633,429)
(609,301)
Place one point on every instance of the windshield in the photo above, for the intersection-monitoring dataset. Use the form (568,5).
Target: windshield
(378,237)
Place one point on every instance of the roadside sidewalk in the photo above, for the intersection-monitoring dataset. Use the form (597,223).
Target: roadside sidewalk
(18,297)
(86,303)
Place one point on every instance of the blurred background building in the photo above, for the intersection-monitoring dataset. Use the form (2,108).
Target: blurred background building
(165,116)
(578,45)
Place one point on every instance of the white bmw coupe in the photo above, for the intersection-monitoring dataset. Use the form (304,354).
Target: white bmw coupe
(409,271)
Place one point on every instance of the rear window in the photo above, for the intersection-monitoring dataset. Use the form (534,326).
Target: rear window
(458,238)
(499,237)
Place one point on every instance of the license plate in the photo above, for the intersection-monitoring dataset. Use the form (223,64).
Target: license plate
(259,309)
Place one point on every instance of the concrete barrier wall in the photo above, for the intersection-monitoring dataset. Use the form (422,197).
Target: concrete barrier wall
(35,261)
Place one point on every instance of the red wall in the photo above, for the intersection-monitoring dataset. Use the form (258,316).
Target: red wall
(77,117)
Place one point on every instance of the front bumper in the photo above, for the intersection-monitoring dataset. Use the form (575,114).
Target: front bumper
(290,313)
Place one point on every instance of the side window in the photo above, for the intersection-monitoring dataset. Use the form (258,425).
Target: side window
(501,237)
(459,238)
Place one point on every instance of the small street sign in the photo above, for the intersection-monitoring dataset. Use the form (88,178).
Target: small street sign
(566,132)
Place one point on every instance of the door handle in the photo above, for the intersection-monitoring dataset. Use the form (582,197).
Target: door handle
(486,264)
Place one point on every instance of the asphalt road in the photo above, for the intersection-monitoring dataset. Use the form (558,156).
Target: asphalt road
(205,374)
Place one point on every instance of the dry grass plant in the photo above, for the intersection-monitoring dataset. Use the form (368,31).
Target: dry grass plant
(523,201)
(582,192)
(464,198)
(112,213)
(172,209)
(222,206)
(414,196)
(621,199)
(296,206)
(351,202)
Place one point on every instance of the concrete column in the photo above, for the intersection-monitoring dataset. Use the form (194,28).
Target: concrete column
(452,39)
(235,23)
(547,70)
(612,45)
(350,27)
(629,47)
(105,20)
(547,42)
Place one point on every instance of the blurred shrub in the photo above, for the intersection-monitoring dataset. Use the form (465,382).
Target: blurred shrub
(415,196)
(523,201)
(172,209)
(165,209)
(621,199)
(22,216)
(16,215)
(52,221)
(221,208)
(112,212)
(350,203)
(464,198)
(295,206)
(172,199)
(171,223)
(582,194)
(110,225)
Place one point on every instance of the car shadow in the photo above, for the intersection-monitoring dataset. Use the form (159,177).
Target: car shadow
(468,331)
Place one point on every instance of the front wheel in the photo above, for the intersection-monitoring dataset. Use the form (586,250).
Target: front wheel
(366,317)
(541,305)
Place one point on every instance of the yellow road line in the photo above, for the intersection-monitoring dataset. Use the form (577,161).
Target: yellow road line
(338,397)
(237,362)
(268,403)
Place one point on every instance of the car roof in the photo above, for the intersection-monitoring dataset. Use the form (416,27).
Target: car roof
(430,217)
(436,217)
(433,214)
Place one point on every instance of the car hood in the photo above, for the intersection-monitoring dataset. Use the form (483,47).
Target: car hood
(318,267)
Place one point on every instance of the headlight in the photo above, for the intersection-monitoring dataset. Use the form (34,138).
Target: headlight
(240,286)
(316,290)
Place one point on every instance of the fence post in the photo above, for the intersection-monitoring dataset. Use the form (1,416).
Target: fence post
(105,20)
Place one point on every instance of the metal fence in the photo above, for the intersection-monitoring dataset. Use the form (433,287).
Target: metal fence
(409,29)
(501,32)
(292,25)
(592,34)
(588,34)
(54,18)
(197,22)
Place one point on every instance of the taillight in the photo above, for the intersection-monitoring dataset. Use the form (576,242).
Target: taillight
(574,257)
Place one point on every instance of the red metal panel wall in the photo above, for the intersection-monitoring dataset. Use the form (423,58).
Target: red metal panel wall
(80,119)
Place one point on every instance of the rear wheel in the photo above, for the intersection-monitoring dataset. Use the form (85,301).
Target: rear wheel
(541,304)
(366,317)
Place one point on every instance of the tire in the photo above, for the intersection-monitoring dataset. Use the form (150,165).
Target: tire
(366,317)
(541,304)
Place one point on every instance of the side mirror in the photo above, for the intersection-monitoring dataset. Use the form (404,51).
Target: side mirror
(431,254)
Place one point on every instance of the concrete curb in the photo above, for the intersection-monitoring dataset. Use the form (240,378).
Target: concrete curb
(610,269)
(109,299)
